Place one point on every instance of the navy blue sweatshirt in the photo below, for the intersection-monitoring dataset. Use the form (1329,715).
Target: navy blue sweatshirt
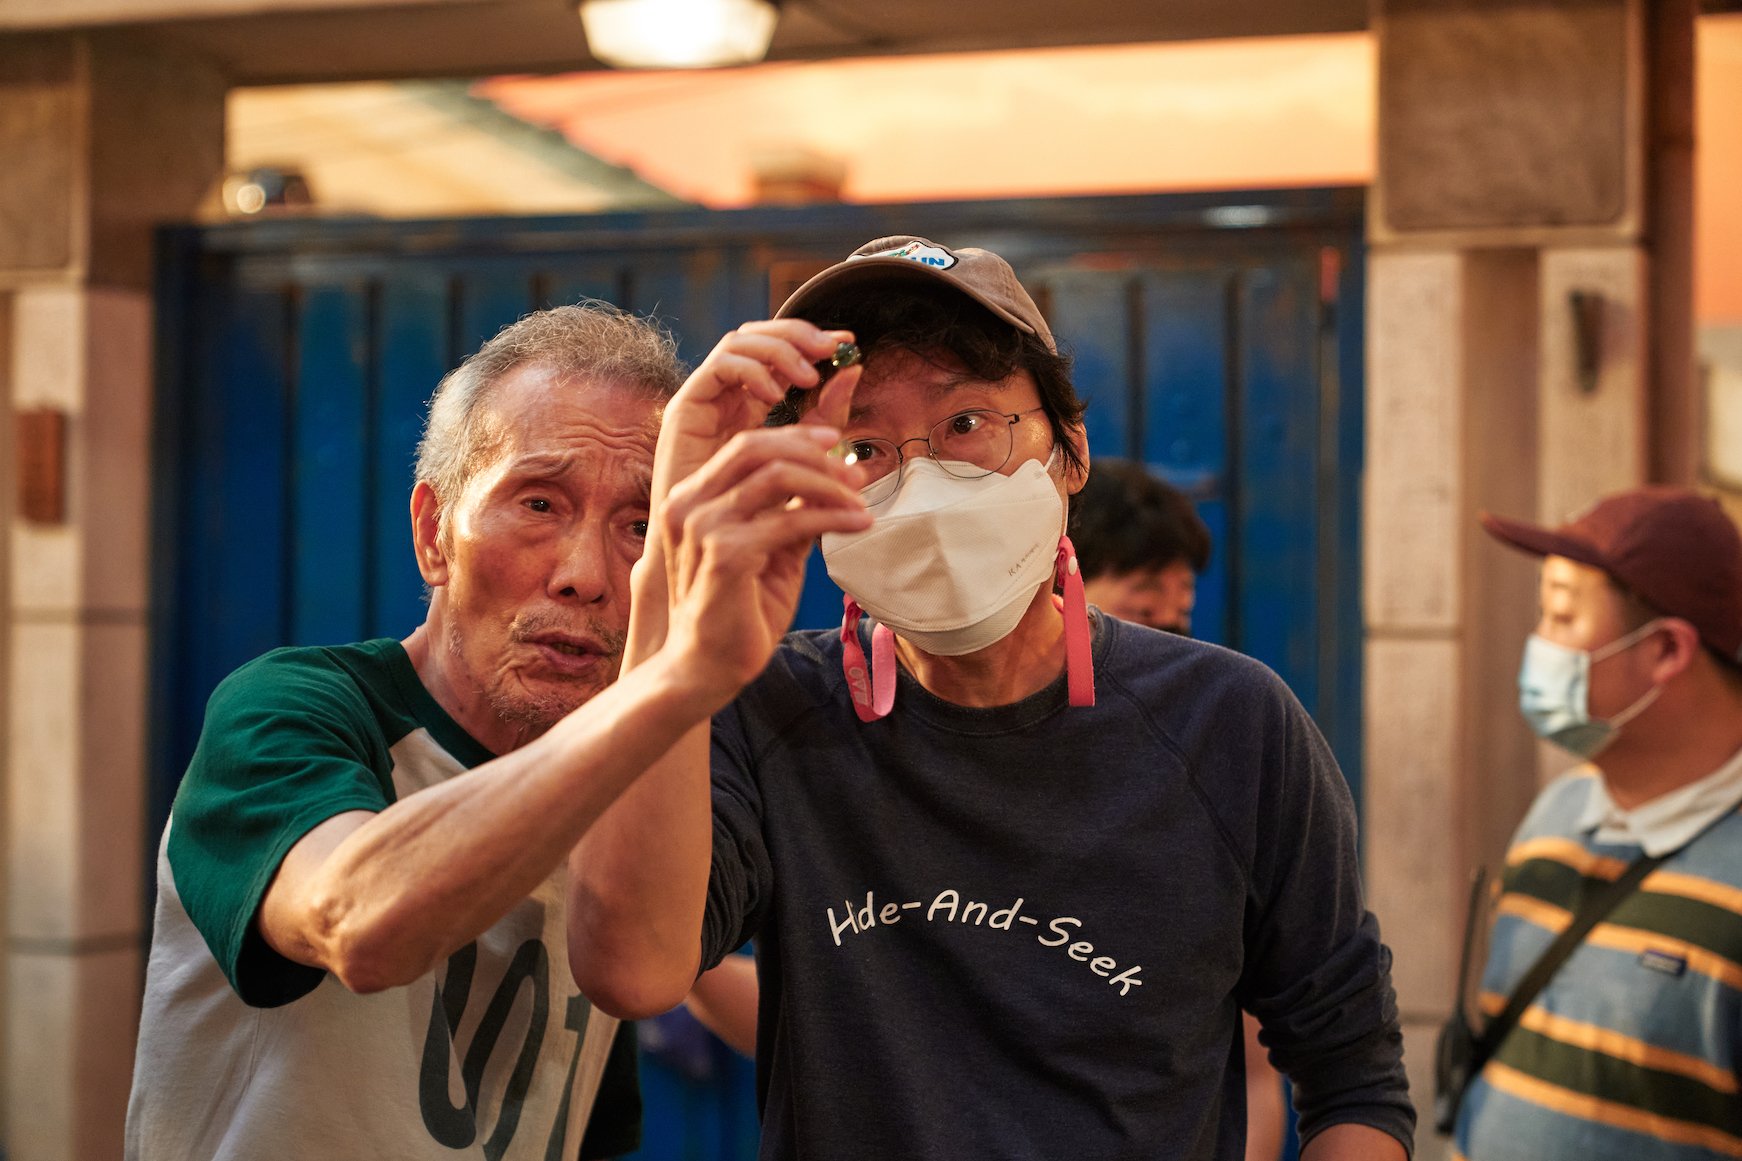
(1028,931)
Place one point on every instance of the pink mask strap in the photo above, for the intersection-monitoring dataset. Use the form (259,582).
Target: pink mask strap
(1079,657)
(874,692)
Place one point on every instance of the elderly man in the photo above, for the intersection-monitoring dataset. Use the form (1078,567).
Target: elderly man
(361,940)
(1012,871)
(1631,1049)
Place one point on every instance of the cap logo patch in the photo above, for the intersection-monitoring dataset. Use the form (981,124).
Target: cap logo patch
(936,257)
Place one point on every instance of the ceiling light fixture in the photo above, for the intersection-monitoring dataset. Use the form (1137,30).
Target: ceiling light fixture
(678,34)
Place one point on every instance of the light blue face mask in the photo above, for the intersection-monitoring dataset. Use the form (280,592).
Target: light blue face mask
(1554,684)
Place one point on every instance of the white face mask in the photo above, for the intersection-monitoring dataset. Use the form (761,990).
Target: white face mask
(952,564)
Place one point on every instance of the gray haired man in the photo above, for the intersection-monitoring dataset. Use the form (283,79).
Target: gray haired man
(362,946)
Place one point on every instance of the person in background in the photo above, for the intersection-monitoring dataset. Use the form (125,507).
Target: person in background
(1631,1051)
(1141,546)
(724,1000)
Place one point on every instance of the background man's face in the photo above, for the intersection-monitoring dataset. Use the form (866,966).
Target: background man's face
(541,542)
(1161,598)
(1582,609)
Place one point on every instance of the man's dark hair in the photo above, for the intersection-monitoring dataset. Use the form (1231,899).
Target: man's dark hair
(1125,520)
(938,321)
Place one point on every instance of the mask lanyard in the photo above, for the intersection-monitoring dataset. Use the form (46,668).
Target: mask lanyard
(1079,656)
(873,692)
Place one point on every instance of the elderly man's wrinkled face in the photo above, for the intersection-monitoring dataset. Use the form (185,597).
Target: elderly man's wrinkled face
(541,541)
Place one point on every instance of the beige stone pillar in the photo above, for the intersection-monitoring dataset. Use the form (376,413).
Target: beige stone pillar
(1516,171)
(102,142)
(1451,430)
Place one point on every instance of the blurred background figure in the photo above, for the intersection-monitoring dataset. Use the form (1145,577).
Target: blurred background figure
(724,1000)
(1141,546)
(1627,1047)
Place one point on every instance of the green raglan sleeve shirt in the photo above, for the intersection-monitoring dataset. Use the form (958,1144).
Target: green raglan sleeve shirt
(230,1068)
(289,741)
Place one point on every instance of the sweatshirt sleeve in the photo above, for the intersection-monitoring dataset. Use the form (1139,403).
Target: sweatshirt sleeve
(1317,975)
(740,877)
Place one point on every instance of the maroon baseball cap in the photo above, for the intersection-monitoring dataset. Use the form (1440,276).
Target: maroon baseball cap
(1673,548)
(979,274)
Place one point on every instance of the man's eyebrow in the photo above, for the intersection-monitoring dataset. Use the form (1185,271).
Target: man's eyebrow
(550,465)
(1553,585)
(940,389)
(542,465)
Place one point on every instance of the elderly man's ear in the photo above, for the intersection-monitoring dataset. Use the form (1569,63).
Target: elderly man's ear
(426,530)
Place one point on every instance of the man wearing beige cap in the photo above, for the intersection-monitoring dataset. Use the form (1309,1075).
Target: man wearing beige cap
(1631,1048)
(1012,867)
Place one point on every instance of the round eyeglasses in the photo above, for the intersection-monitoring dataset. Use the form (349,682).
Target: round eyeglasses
(967,445)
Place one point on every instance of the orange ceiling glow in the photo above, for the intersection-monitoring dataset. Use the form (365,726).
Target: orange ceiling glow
(1217,114)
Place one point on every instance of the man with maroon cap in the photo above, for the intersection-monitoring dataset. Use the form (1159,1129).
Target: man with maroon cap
(1632,1048)
(1012,870)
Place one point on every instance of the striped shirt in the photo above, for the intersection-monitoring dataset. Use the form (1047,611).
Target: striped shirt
(1631,1050)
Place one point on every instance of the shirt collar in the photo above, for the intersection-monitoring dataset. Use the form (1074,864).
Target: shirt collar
(1669,821)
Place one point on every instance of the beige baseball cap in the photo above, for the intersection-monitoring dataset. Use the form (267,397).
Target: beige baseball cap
(979,274)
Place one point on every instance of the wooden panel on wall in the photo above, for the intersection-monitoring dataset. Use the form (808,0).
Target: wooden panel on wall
(39,135)
(1501,115)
